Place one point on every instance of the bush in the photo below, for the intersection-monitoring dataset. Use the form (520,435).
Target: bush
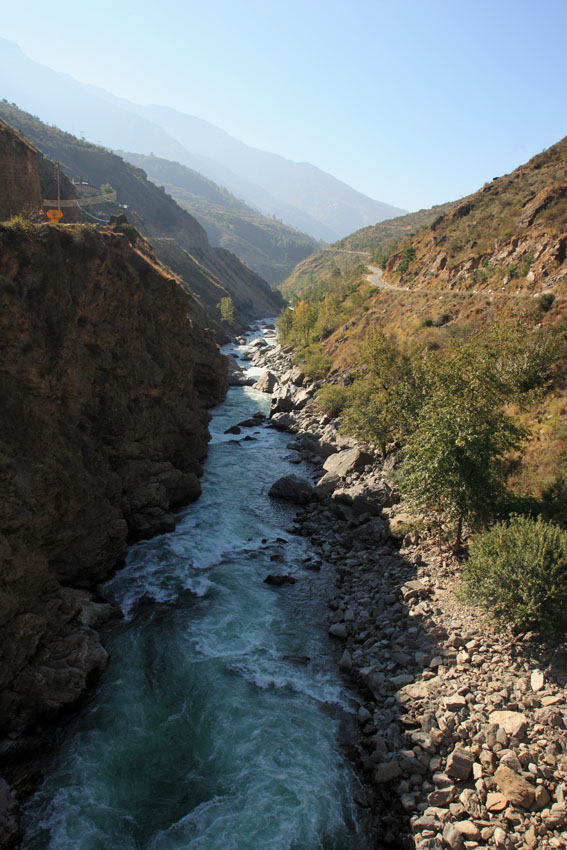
(313,361)
(332,398)
(545,301)
(517,572)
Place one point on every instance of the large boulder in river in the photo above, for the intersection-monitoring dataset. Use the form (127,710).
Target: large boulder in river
(266,383)
(351,460)
(282,402)
(292,488)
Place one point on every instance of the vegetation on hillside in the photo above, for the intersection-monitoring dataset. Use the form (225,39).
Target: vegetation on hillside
(267,245)
(467,385)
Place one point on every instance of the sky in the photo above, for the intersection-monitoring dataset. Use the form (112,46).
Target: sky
(413,102)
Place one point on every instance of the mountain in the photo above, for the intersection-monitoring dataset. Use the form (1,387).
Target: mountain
(157,216)
(359,248)
(298,193)
(268,246)
(510,235)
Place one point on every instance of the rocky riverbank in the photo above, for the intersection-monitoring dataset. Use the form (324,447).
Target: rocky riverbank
(463,738)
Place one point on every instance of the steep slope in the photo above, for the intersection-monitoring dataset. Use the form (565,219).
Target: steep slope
(103,427)
(268,246)
(155,214)
(360,247)
(298,193)
(510,235)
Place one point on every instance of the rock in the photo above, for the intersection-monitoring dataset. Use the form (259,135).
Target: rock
(292,488)
(351,460)
(537,680)
(452,837)
(499,837)
(297,659)
(283,422)
(234,429)
(496,802)
(517,790)
(386,771)
(468,830)
(279,580)
(281,402)
(455,702)
(542,797)
(327,484)
(266,383)
(339,630)
(459,763)
(513,722)
(345,663)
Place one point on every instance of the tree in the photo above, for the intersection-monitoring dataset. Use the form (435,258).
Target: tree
(453,459)
(227,310)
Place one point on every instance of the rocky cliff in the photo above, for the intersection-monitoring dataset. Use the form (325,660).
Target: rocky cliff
(106,377)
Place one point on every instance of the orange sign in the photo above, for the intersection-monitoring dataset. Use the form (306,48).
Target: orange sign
(54,215)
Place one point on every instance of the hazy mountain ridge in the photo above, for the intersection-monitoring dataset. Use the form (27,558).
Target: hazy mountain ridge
(298,193)
(268,246)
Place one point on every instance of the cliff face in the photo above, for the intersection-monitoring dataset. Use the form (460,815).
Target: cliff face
(19,177)
(103,427)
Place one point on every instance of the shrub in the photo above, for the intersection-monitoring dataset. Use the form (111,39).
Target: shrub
(517,572)
(314,361)
(545,301)
(332,399)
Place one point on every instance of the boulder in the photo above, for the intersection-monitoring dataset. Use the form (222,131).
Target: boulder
(517,790)
(513,722)
(327,484)
(279,580)
(351,460)
(282,402)
(266,383)
(292,488)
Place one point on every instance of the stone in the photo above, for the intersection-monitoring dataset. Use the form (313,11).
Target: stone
(468,830)
(327,484)
(499,837)
(537,680)
(386,771)
(292,488)
(542,797)
(452,837)
(279,580)
(350,460)
(517,790)
(513,722)
(496,802)
(345,663)
(266,383)
(339,630)
(455,702)
(459,763)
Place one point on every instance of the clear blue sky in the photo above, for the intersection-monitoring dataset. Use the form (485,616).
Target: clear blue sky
(413,102)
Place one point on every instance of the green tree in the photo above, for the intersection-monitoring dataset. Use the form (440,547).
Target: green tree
(453,460)
(227,310)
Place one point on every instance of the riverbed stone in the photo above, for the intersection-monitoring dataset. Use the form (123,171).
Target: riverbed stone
(292,488)
(349,460)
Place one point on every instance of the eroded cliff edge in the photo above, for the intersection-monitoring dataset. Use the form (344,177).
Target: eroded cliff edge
(105,380)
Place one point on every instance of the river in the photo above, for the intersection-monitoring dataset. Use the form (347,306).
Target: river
(200,734)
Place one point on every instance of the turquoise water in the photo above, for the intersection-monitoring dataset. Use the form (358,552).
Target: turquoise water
(201,736)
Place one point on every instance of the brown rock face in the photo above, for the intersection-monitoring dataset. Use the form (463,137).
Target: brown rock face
(105,378)
(21,188)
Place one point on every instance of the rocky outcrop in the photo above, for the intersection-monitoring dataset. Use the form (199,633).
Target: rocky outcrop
(21,187)
(103,429)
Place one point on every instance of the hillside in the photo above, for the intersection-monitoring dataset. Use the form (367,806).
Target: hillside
(296,192)
(360,247)
(510,235)
(268,246)
(155,214)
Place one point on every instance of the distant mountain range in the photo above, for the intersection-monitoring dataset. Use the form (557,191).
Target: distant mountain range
(298,193)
